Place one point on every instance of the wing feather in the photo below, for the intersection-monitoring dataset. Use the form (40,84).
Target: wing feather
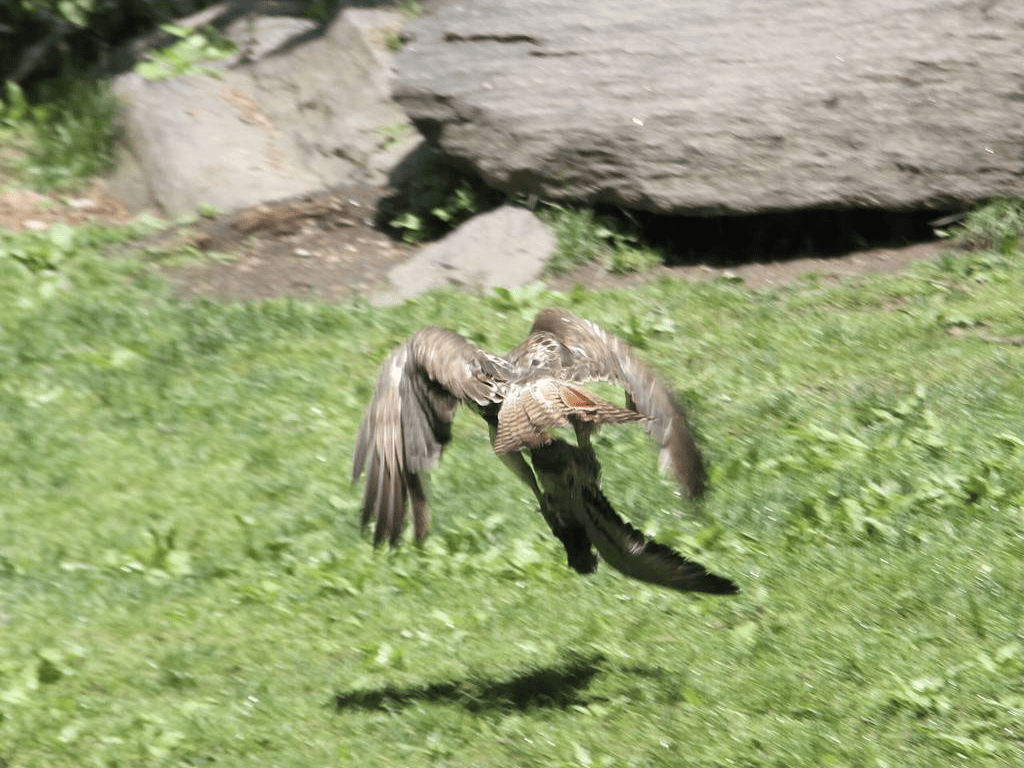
(596,355)
(408,423)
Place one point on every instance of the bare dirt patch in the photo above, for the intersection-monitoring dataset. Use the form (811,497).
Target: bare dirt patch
(329,246)
(763,275)
(22,209)
(322,246)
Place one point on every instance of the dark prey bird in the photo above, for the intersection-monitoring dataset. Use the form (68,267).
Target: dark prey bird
(522,395)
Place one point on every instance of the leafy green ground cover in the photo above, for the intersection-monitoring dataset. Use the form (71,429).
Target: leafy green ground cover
(183,580)
(60,139)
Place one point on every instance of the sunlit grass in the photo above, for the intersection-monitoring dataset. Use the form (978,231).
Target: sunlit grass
(183,580)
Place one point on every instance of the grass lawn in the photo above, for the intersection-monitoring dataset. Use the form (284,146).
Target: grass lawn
(183,580)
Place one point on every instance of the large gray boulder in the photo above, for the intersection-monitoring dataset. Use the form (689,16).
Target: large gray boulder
(297,110)
(709,107)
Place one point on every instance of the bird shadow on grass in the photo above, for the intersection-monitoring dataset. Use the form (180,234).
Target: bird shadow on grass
(557,686)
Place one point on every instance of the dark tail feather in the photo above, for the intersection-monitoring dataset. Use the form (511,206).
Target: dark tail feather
(627,550)
(420,510)
(578,550)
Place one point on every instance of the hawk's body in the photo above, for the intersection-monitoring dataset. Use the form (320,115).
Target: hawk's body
(535,387)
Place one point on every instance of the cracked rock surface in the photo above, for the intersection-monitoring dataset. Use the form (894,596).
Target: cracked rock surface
(703,107)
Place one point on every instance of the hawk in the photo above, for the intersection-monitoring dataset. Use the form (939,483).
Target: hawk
(534,388)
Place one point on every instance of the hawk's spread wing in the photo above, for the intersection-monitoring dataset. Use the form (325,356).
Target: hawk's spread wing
(408,422)
(592,354)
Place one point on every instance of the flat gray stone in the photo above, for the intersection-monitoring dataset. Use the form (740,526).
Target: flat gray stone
(710,107)
(505,248)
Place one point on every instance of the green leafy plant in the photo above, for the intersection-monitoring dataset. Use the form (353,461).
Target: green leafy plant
(584,236)
(46,254)
(64,137)
(188,55)
(76,141)
(391,135)
(576,233)
(997,226)
(43,37)
(633,259)
(411,9)
(439,201)
(15,110)
(39,251)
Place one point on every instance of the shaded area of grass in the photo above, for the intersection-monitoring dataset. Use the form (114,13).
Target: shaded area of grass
(623,241)
(183,580)
(556,686)
(64,136)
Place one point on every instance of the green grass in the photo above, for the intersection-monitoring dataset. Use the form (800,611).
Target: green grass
(183,580)
(997,226)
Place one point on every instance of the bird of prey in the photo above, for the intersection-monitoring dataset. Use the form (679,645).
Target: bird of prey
(535,387)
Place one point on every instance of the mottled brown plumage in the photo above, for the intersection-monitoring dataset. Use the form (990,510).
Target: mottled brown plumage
(534,388)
